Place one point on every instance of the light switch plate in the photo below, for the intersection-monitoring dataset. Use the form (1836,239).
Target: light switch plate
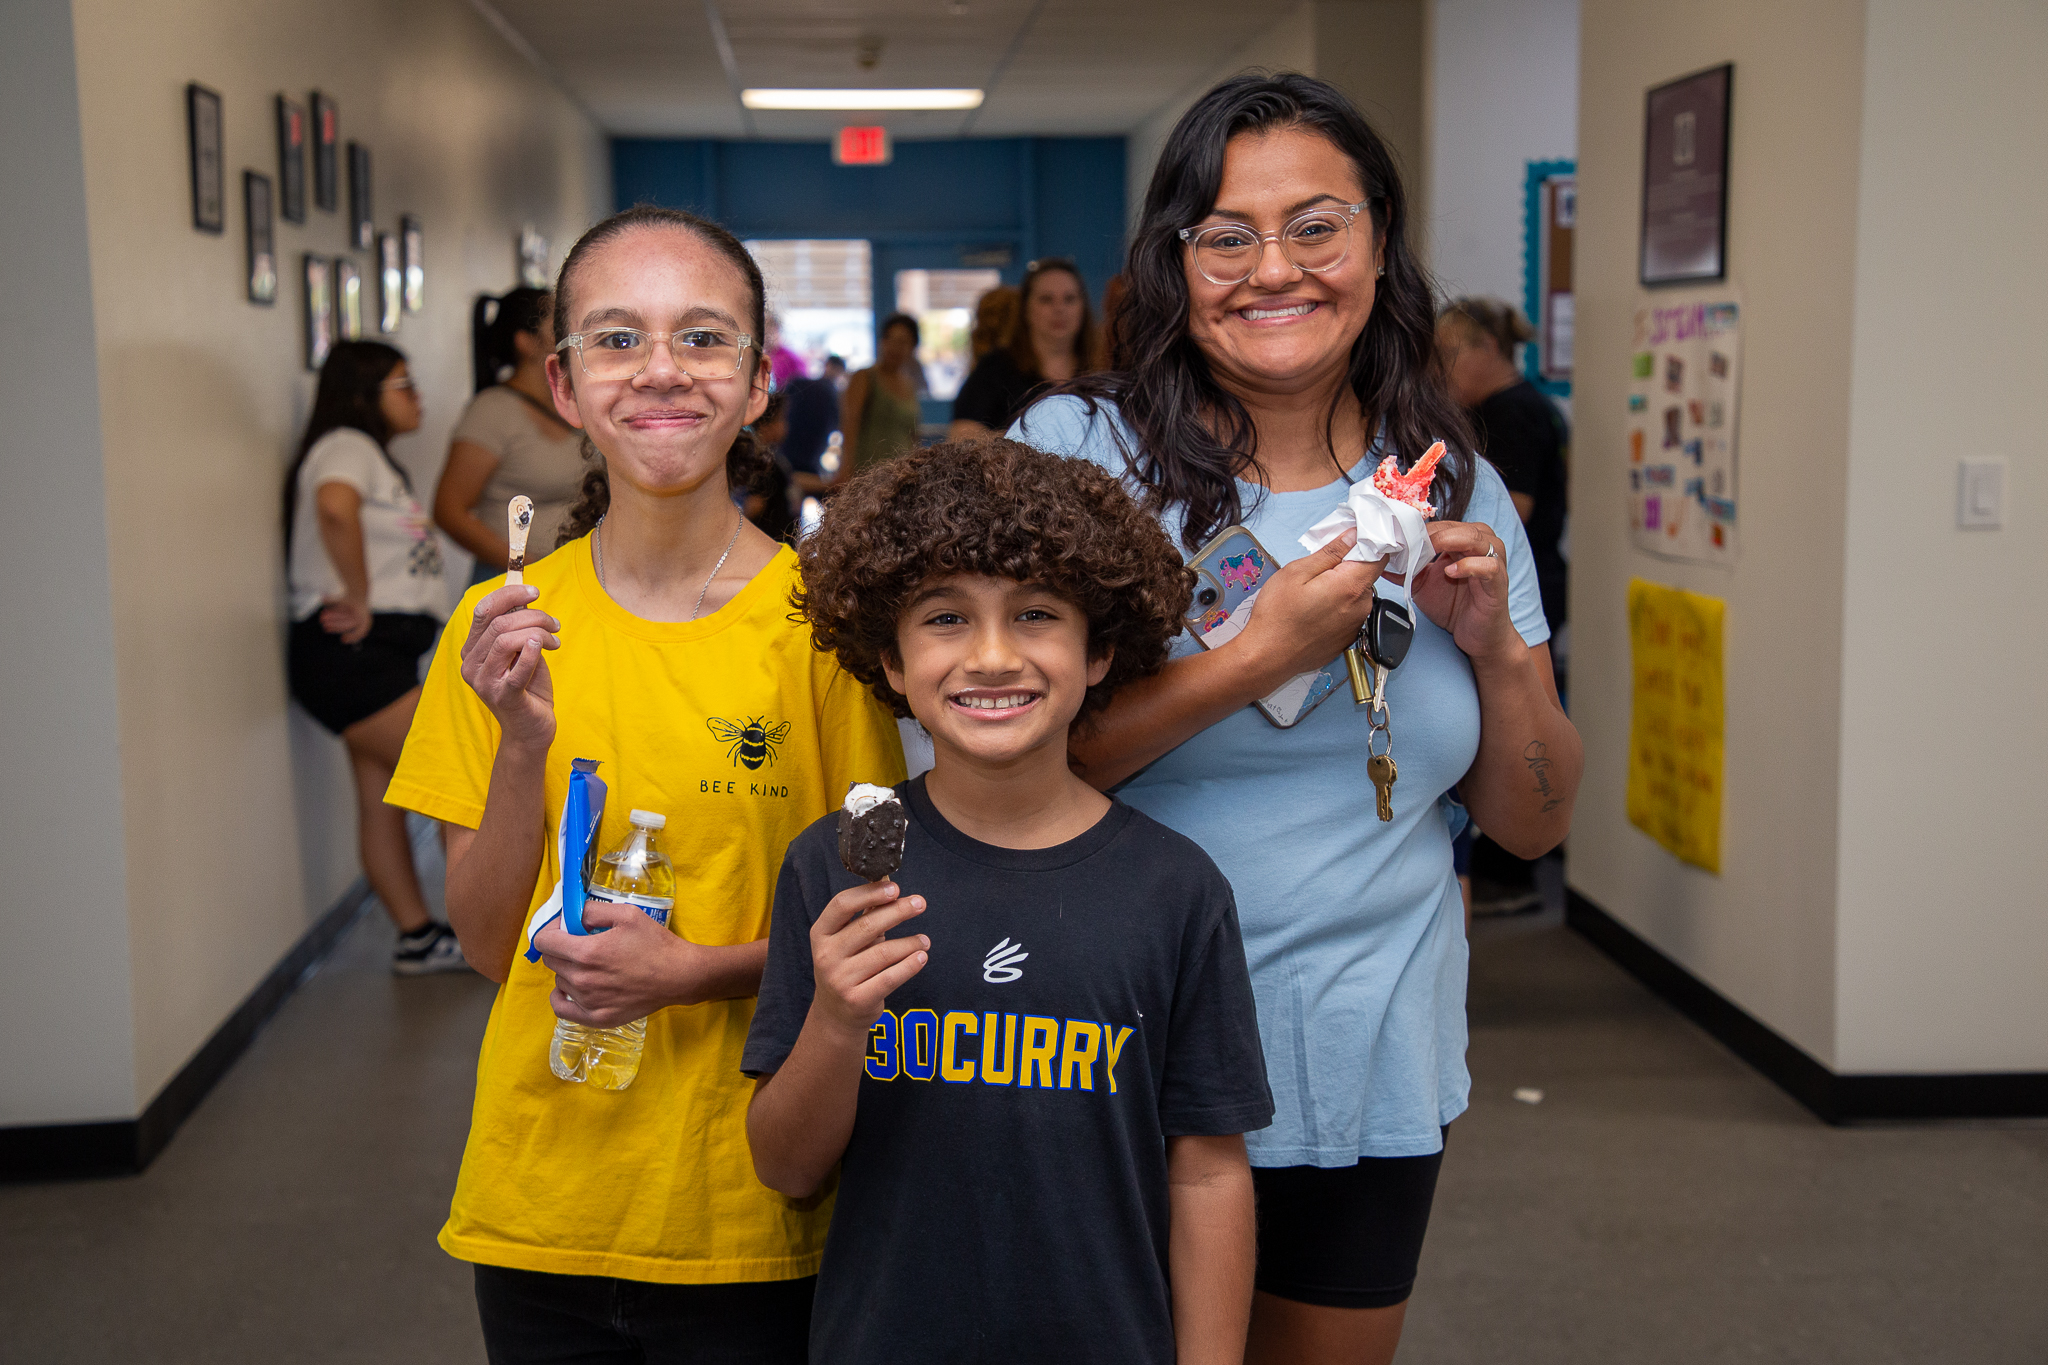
(1980,495)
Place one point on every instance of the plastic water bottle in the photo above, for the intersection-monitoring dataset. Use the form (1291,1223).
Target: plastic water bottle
(635,873)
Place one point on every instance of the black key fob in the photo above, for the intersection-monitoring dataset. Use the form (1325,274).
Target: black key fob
(1389,630)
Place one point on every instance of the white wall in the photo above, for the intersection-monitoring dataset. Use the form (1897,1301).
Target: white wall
(64,1005)
(1943,956)
(1289,45)
(1764,932)
(239,811)
(1503,91)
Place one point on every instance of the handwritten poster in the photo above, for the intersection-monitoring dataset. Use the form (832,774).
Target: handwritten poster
(1674,742)
(1685,372)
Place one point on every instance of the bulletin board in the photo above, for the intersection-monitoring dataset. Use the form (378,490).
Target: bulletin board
(1675,734)
(1685,382)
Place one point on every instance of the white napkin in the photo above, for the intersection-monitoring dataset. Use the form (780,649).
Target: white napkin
(1387,530)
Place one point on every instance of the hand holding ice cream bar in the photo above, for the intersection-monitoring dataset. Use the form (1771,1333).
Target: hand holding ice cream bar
(871,830)
(518,521)
(1390,511)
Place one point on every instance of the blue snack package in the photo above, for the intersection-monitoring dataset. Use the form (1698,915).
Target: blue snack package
(575,848)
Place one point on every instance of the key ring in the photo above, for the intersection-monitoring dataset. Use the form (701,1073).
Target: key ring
(1380,729)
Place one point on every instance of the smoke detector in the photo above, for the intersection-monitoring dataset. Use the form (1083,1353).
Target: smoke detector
(867,51)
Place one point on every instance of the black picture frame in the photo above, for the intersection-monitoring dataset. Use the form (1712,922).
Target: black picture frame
(412,250)
(319,276)
(291,160)
(1685,178)
(348,300)
(363,232)
(326,144)
(209,180)
(262,235)
(390,283)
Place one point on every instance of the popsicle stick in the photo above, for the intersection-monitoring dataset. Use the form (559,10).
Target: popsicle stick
(518,521)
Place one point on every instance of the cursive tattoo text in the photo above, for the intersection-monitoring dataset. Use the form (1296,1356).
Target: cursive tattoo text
(1537,756)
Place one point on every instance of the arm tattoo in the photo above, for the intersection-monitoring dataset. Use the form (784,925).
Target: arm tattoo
(1537,757)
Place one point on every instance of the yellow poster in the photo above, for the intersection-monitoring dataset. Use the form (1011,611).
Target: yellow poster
(1674,742)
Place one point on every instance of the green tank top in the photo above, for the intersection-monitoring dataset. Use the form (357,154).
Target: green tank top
(888,426)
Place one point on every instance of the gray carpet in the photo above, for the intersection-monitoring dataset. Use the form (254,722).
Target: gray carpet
(1662,1203)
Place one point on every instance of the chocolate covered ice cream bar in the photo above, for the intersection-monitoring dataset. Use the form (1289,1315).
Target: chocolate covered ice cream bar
(871,829)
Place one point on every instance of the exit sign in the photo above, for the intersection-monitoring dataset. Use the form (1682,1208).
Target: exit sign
(862,147)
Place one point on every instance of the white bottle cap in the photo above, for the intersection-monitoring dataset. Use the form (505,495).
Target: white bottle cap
(650,819)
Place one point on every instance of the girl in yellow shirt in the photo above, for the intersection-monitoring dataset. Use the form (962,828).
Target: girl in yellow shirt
(658,642)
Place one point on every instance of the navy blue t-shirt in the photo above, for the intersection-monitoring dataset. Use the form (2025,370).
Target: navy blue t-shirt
(1004,1194)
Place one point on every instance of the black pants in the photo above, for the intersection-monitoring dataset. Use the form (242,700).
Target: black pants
(533,1318)
(1345,1237)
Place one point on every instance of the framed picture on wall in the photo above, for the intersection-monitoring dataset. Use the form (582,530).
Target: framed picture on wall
(262,238)
(412,246)
(1685,179)
(291,161)
(348,300)
(390,283)
(364,234)
(326,135)
(209,188)
(319,310)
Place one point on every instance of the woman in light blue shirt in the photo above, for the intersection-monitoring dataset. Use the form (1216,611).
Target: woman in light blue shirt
(1276,341)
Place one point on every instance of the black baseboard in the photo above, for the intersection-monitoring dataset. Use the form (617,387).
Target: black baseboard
(1834,1098)
(70,1151)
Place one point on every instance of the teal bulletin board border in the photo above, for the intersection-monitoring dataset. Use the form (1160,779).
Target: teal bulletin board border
(1532,266)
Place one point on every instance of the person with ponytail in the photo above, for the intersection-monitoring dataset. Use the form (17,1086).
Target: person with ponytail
(510,439)
(657,642)
(366,598)
(1275,343)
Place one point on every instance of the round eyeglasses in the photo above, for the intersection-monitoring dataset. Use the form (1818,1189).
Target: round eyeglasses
(612,353)
(1229,253)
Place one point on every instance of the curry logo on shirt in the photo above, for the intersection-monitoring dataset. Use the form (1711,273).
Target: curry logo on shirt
(752,744)
(1026,1051)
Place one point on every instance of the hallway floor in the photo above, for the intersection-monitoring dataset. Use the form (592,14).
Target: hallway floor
(1662,1203)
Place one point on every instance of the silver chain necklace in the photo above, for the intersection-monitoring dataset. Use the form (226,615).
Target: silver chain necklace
(597,560)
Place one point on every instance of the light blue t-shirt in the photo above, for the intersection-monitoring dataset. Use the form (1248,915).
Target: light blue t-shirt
(1354,929)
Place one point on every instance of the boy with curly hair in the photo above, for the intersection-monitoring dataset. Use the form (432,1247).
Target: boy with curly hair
(1034,1070)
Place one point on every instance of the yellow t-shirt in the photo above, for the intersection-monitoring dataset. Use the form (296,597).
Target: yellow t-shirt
(741,734)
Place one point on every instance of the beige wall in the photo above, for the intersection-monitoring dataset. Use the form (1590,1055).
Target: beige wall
(1764,932)
(1943,958)
(240,819)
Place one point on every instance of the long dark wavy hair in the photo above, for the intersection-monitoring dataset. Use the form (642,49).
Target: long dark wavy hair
(350,394)
(745,458)
(1022,350)
(1195,438)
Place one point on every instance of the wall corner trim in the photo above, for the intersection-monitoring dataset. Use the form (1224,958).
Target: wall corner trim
(71,1151)
(1833,1098)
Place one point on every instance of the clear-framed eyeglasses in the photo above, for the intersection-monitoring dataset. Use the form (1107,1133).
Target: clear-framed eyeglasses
(613,353)
(1316,241)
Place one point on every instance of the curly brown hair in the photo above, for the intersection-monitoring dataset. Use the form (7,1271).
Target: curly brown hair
(1001,509)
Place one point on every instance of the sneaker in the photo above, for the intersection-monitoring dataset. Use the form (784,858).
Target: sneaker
(432,949)
(1492,900)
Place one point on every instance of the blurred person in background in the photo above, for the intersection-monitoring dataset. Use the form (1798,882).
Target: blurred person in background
(810,415)
(1054,341)
(366,599)
(879,417)
(1524,435)
(769,494)
(995,319)
(510,439)
(835,373)
(784,365)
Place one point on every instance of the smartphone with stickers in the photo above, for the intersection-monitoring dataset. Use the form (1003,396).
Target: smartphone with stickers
(1228,574)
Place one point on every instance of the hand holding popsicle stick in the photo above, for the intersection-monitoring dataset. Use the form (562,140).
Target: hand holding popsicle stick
(518,521)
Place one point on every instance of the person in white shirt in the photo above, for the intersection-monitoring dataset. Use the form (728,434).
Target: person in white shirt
(366,599)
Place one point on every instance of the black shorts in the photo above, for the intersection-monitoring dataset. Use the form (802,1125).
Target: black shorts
(529,1316)
(1348,1237)
(341,684)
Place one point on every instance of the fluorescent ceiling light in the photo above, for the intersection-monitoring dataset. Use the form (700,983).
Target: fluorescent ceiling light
(861,99)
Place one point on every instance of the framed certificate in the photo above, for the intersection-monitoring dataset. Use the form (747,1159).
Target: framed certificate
(1685,179)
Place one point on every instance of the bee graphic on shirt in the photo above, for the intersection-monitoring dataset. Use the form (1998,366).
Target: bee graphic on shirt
(752,744)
